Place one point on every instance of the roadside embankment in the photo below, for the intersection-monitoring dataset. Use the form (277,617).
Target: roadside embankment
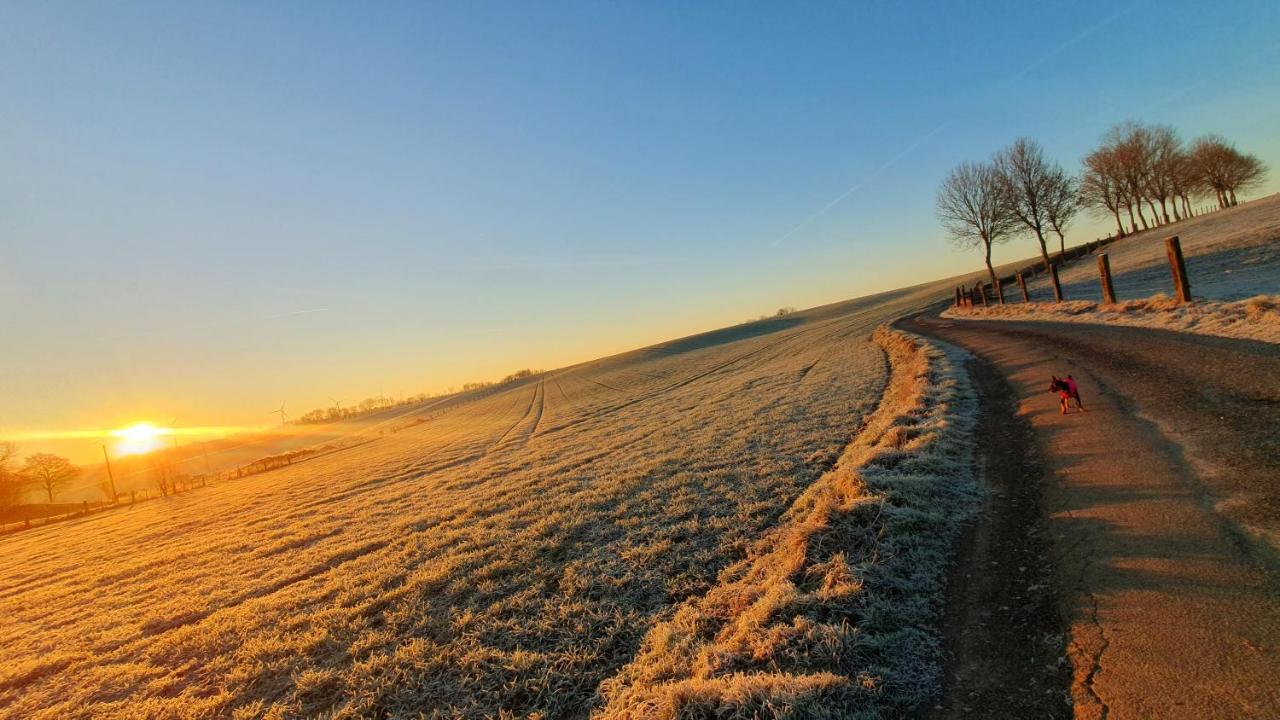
(1257,318)
(837,610)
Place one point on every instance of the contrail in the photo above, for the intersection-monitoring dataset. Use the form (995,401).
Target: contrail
(925,138)
(565,264)
(1063,47)
(862,183)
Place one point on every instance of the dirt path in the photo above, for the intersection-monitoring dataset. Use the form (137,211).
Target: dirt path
(1171,608)
(1003,627)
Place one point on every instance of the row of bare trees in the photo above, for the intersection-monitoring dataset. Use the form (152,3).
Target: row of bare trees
(1020,191)
(1139,164)
(50,473)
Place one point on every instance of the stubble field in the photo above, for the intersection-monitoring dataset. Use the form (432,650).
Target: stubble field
(504,555)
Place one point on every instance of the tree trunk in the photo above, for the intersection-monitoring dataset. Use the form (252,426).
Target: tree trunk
(1062,242)
(1155,216)
(991,273)
(48,488)
(1164,210)
(1133,222)
(1048,265)
(1138,206)
(1176,215)
(1233,198)
(1044,249)
(1119,225)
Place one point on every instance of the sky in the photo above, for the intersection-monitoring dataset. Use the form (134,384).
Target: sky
(209,209)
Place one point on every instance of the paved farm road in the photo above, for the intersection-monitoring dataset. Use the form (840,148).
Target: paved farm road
(1159,501)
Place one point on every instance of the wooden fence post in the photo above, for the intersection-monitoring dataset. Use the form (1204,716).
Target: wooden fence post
(957,297)
(1057,286)
(1181,285)
(1022,283)
(1104,273)
(999,291)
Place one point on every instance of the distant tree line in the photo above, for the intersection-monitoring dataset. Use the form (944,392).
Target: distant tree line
(369,405)
(517,375)
(1019,191)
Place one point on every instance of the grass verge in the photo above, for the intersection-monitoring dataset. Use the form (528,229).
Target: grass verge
(835,612)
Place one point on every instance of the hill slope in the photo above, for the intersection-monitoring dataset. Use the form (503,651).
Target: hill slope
(507,552)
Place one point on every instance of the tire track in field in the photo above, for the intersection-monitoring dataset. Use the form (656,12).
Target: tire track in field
(532,416)
(542,406)
(597,382)
(563,395)
(804,372)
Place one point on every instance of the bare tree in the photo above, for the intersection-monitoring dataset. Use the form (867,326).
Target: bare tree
(1244,172)
(1101,186)
(161,474)
(1165,153)
(1024,175)
(50,471)
(1130,146)
(1185,183)
(13,485)
(1061,203)
(1212,157)
(973,207)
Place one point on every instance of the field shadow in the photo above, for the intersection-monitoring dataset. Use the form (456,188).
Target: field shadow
(727,335)
(1228,274)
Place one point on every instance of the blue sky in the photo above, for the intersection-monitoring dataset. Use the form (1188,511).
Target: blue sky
(207,208)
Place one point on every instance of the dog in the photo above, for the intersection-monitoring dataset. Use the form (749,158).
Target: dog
(1067,390)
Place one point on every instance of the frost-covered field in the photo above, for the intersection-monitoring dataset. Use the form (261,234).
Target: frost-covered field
(1231,255)
(1233,263)
(504,556)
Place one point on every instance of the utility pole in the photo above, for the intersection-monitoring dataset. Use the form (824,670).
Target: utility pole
(110,476)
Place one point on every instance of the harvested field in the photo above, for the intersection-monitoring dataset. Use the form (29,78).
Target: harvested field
(507,555)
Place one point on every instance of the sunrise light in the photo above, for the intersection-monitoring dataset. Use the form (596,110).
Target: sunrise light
(139,438)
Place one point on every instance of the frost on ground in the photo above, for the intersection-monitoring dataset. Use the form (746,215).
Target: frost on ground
(505,555)
(1231,255)
(834,613)
(1233,262)
(1257,318)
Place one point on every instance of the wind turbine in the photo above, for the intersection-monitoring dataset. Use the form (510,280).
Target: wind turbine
(284,416)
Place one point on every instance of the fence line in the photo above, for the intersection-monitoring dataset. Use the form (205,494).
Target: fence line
(965,297)
(1173,251)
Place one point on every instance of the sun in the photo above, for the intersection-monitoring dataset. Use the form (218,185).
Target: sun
(139,438)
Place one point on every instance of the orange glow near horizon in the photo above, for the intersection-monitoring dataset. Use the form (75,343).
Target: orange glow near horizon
(139,438)
(135,438)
